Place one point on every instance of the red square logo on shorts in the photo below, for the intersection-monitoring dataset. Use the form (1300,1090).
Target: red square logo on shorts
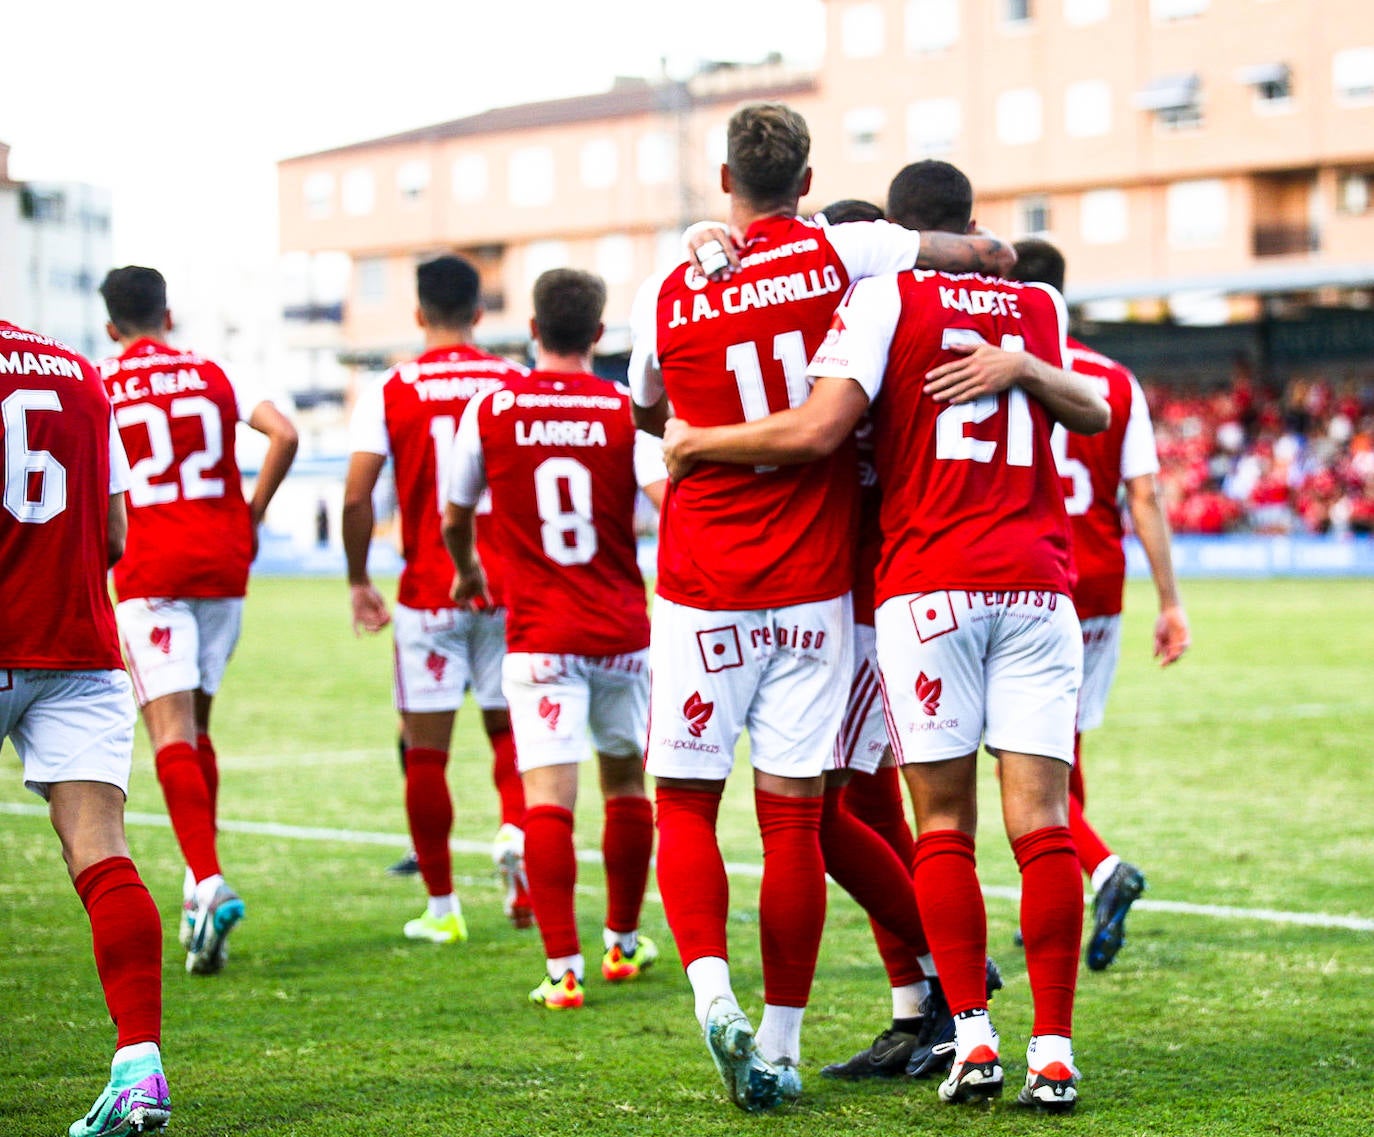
(720,648)
(933,615)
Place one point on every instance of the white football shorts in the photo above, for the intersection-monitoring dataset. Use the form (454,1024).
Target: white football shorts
(960,667)
(1101,651)
(781,673)
(441,652)
(555,699)
(178,645)
(69,726)
(863,732)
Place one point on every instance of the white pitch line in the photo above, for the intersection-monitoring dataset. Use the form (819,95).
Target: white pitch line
(736,868)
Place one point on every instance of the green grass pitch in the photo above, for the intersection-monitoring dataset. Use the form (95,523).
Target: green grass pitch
(1239,778)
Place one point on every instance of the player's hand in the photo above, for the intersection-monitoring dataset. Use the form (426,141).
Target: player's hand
(1171,635)
(369,609)
(469,589)
(983,370)
(711,251)
(677,436)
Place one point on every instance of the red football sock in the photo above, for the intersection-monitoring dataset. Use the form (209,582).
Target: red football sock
(1077,789)
(876,800)
(627,841)
(189,806)
(791,896)
(1092,850)
(506,777)
(947,889)
(429,810)
(691,872)
(552,867)
(209,770)
(1052,924)
(126,933)
(864,865)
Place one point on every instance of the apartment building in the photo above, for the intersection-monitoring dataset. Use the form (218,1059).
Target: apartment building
(1204,164)
(54,250)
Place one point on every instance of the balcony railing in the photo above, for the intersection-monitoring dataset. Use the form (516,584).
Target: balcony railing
(1285,240)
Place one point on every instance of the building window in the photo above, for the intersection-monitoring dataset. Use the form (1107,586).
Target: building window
(654,159)
(863,128)
(1088,109)
(861,31)
(371,280)
(717,144)
(412,179)
(359,192)
(1174,100)
(469,174)
(932,127)
(1033,215)
(1352,71)
(599,160)
(1196,213)
(1079,13)
(318,190)
(1017,11)
(1018,116)
(1103,217)
(1352,192)
(1161,10)
(540,256)
(931,25)
(1273,84)
(531,176)
(615,258)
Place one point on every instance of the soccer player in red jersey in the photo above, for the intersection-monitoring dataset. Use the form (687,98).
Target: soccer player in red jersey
(977,640)
(559,451)
(411,416)
(65,699)
(182,580)
(1094,470)
(751,624)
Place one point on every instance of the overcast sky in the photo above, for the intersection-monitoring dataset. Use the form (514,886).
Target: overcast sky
(182,108)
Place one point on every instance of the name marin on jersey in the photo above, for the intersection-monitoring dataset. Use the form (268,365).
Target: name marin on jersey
(784,289)
(38,363)
(159,383)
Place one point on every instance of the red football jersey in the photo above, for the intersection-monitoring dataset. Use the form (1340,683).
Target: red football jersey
(413,415)
(1093,468)
(735,537)
(558,452)
(870,545)
(190,533)
(971,496)
(61,463)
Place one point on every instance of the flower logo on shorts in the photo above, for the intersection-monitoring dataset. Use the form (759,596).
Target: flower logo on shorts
(161,638)
(928,692)
(549,711)
(435,664)
(697,713)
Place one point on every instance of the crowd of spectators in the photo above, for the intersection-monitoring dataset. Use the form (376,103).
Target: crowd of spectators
(1294,460)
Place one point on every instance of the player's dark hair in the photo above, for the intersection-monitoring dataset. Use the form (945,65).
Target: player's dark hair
(449,290)
(931,195)
(767,147)
(851,209)
(1037,260)
(568,304)
(135,298)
